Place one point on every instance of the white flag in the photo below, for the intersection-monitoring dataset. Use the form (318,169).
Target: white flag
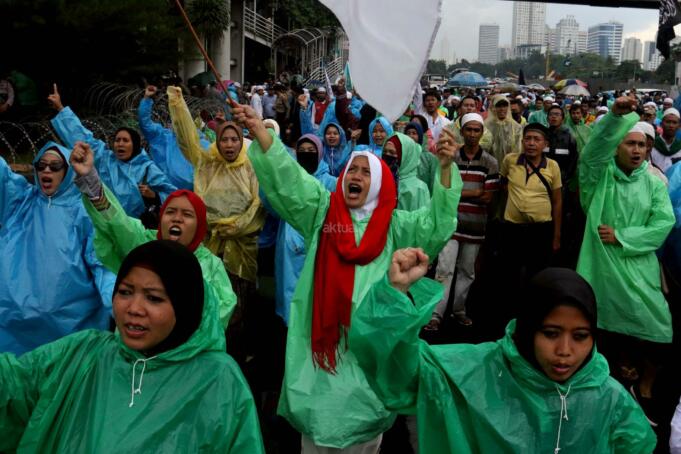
(390,41)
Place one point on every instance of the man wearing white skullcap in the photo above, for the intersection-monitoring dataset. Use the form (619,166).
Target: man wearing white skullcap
(649,131)
(667,147)
(480,174)
(629,216)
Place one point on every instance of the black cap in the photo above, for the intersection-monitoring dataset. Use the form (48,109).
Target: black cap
(536,127)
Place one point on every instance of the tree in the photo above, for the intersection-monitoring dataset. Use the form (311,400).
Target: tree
(436,67)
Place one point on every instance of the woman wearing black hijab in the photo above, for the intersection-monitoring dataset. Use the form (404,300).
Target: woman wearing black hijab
(542,387)
(162,383)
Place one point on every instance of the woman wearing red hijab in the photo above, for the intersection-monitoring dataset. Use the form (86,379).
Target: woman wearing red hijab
(182,218)
(350,236)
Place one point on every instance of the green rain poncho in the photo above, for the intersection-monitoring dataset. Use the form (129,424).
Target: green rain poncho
(625,277)
(74,396)
(412,192)
(506,135)
(487,398)
(580,132)
(539,116)
(116,234)
(338,410)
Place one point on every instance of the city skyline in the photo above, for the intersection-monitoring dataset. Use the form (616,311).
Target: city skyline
(461,17)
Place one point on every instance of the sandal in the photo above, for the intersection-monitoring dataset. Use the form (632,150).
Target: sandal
(433,324)
(463,319)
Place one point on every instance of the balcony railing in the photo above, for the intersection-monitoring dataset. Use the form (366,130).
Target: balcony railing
(261,28)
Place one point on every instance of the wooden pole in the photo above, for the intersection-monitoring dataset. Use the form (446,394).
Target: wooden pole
(197,40)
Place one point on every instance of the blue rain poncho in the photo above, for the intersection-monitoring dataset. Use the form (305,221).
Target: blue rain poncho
(336,157)
(291,251)
(51,283)
(374,147)
(121,177)
(164,150)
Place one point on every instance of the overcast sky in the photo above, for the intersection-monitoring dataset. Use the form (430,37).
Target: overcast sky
(463,18)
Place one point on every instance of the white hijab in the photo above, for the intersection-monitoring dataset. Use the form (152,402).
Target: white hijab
(374,187)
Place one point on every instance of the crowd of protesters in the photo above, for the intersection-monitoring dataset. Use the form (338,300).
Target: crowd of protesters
(492,272)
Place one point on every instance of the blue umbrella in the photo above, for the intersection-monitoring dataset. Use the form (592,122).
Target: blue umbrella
(468,79)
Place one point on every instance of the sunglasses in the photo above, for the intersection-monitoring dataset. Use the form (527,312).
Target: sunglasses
(55,166)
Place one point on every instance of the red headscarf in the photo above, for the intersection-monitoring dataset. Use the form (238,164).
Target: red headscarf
(337,255)
(199,207)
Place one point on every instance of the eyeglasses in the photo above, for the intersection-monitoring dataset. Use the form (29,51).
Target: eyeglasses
(54,166)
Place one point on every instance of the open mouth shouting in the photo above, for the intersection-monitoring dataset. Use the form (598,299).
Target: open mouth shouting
(354,190)
(174,233)
(47,183)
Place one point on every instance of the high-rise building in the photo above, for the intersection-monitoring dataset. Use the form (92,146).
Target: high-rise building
(529,22)
(632,50)
(488,44)
(551,39)
(505,53)
(651,56)
(606,40)
(582,39)
(567,36)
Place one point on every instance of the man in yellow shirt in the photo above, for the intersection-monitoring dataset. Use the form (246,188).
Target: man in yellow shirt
(532,219)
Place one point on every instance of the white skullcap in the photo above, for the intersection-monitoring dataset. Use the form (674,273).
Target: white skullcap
(519,97)
(650,104)
(671,111)
(549,98)
(321,90)
(644,128)
(603,109)
(472,117)
(668,101)
(455,98)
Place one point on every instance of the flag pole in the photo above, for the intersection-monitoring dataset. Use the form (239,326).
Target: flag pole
(231,102)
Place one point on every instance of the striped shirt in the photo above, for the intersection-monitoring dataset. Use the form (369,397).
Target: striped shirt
(481,172)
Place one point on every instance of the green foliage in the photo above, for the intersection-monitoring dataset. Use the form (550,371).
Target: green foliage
(583,66)
(293,14)
(209,17)
(79,43)
(436,67)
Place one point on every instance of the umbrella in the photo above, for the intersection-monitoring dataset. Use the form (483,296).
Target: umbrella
(567,82)
(507,86)
(202,79)
(468,79)
(575,90)
(536,87)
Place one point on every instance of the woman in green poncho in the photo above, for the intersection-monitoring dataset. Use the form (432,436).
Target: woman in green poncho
(541,388)
(403,156)
(162,383)
(350,236)
(182,218)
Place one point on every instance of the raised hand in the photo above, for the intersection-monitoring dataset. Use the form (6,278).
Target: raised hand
(82,159)
(150,91)
(447,147)
(624,105)
(302,101)
(146,191)
(55,99)
(407,266)
(247,117)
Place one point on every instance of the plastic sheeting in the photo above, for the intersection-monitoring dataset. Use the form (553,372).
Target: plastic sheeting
(338,410)
(230,192)
(122,177)
(625,277)
(487,398)
(51,283)
(74,395)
